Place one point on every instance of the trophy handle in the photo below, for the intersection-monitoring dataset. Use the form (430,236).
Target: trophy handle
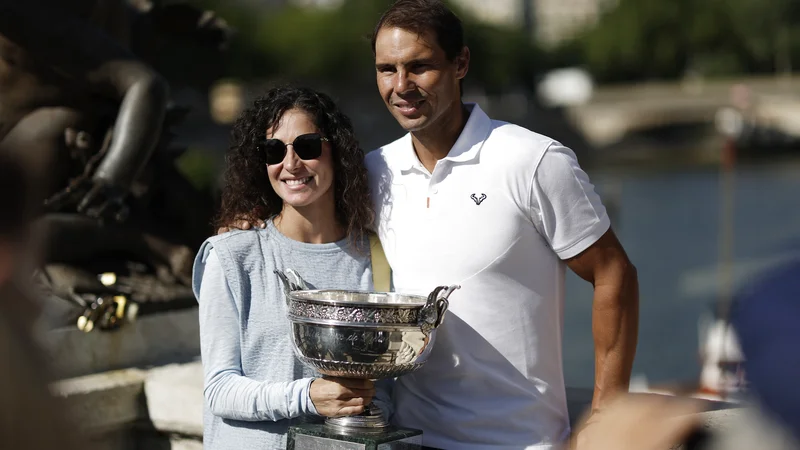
(443,303)
(292,281)
(432,314)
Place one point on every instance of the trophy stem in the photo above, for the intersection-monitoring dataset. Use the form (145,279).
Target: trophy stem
(370,421)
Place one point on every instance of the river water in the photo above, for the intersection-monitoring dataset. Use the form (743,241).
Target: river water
(670,223)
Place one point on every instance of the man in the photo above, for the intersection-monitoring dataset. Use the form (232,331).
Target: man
(500,210)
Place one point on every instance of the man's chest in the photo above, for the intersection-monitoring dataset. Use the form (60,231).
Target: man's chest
(452,227)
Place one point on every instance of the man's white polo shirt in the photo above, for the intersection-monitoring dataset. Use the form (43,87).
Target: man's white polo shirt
(497,216)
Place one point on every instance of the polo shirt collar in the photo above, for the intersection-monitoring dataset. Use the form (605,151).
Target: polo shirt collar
(467,145)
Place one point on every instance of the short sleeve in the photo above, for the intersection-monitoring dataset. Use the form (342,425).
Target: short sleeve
(565,208)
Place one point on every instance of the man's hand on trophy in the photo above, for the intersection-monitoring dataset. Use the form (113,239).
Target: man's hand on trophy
(337,397)
(242,224)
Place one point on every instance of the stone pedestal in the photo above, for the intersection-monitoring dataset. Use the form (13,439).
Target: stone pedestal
(319,437)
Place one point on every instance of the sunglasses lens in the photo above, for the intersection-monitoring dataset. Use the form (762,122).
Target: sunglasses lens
(275,150)
(308,146)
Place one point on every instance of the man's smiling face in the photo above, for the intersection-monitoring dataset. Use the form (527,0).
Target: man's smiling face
(417,82)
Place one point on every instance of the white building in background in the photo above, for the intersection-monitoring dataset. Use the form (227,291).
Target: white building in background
(553,20)
(561,19)
(324,4)
(496,12)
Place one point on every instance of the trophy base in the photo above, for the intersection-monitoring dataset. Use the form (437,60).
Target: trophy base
(325,437)
(369,422)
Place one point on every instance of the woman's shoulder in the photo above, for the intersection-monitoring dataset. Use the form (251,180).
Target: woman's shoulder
(233,238)
(235,253)
(233,245)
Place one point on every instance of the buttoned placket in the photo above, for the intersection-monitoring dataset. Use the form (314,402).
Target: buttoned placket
(434,179)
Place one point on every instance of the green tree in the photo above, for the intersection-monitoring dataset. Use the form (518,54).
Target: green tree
(637,39)
(663,39)
(302,44)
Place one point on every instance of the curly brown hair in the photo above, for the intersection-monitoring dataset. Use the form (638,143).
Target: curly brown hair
(247,193)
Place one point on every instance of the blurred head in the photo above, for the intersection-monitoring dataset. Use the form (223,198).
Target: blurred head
(766,320)
(294,148)
(420,62)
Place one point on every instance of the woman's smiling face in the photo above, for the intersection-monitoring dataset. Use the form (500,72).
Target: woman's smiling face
(300,183)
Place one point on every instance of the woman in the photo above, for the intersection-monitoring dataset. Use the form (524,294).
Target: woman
(294,162)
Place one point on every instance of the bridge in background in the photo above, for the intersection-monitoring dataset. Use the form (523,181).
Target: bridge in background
(615,112)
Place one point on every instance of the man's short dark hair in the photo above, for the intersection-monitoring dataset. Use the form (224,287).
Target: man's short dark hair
(421,16)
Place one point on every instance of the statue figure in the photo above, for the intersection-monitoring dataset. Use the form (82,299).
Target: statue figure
(83,106)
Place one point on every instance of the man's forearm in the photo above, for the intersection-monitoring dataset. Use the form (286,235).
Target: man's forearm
(615,328)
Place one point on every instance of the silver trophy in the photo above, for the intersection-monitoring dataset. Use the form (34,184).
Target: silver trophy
(359,334)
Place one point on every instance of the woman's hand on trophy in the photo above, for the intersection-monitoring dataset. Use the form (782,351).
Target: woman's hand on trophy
(337,397)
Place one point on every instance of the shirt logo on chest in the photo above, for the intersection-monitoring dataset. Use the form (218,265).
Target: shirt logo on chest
(478,200)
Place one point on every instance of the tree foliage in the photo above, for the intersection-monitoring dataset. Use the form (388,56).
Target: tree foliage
(665,38)
(334,45)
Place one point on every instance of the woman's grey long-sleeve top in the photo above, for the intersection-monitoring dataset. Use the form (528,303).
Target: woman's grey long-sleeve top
(255,388)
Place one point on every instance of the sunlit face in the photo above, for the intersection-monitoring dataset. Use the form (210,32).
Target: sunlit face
(417,82)
(300,183)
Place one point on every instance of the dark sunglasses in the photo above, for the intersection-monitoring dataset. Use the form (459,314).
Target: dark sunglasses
(307,146)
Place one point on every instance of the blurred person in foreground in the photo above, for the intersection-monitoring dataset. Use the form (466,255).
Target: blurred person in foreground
(501,211)
(766,316)
(30,417)
(295,162)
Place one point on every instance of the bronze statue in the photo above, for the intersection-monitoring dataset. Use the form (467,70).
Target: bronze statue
(83,106)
